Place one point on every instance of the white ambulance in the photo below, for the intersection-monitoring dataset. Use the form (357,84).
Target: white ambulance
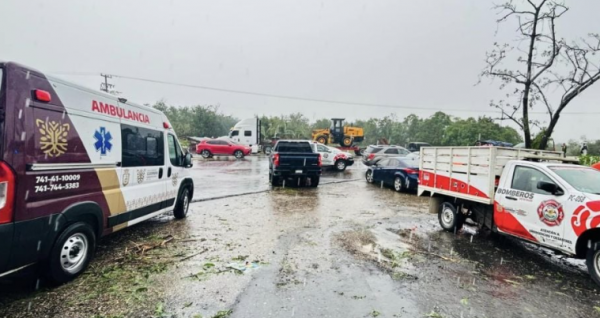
(77,164)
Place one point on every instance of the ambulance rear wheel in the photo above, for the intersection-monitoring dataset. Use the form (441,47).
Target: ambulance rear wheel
(72,253)
(593,261)
(449,218)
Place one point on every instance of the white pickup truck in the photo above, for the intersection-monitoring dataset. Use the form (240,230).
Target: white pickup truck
(333,157)
(530,194)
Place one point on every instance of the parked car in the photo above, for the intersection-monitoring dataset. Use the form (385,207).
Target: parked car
(374,153)
(335,158)
(211,147)
(295,160)
(400,172)
(493,143)
(78,164)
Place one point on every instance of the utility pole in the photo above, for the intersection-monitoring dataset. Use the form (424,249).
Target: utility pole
(106,86)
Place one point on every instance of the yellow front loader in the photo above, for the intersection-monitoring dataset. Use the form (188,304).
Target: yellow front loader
(345,136)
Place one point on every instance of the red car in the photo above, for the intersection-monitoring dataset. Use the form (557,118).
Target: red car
(209,147)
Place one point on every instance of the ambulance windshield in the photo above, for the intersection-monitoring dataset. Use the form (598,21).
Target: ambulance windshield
(581,178)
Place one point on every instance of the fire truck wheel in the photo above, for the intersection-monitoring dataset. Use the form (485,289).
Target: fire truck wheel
(593,261)
(449,218)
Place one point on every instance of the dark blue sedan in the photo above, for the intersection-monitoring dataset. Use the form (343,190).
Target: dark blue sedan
(399,172)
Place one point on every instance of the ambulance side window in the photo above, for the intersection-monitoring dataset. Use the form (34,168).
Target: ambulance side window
(175,154)
(141,147)
(526,179)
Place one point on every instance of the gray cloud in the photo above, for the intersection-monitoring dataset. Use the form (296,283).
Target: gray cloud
(412,53)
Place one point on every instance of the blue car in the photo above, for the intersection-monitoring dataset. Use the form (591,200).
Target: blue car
(399,172)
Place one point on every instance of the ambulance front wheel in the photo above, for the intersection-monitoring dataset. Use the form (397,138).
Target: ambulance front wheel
(593,261)
(183,204)
(449,218)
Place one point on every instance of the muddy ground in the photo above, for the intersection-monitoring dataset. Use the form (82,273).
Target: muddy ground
(345,249)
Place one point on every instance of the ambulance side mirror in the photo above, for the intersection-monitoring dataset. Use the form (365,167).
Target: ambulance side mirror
(187,160)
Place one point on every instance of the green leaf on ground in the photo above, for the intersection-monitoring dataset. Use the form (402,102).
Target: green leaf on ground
(223,313)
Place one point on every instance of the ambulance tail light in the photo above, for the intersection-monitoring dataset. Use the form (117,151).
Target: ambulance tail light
(497,181)
(42,96)
(7,193)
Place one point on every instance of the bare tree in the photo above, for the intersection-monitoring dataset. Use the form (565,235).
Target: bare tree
(544,64)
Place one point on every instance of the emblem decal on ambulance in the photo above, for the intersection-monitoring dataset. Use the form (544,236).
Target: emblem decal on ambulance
(103,139)
(141,174)
(125,177)
(53,140)
(551,212)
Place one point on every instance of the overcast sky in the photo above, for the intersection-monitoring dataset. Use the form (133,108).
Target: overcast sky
(421,54)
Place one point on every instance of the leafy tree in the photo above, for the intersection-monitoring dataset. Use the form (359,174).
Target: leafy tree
(198,121)
(464,132)
(321,124)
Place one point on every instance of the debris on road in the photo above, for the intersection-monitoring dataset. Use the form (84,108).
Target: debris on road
(471,230)
(243,267)
(142,248)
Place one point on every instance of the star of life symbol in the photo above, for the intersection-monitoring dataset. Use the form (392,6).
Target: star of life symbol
(103,139)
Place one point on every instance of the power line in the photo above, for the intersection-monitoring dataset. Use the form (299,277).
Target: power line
(226,90)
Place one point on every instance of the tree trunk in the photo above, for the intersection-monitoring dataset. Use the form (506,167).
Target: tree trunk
(525,106)
(548,132)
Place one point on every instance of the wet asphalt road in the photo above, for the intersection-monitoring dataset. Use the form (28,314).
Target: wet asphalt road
(226,176)
(345,249)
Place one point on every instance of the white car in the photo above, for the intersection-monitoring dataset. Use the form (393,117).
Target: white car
(333,157)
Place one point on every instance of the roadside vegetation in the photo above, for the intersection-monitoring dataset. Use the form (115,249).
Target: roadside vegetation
(440,129)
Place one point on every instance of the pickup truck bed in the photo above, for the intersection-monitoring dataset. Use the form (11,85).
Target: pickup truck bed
(470,173)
